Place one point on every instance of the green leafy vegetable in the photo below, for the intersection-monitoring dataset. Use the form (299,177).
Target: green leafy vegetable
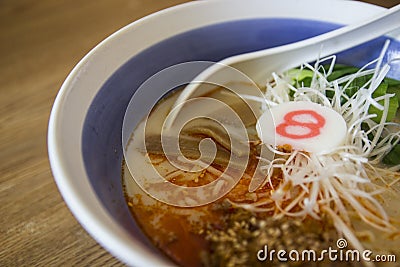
(340,71)
(393,103)
(303,78)
(393,158)
(393,87)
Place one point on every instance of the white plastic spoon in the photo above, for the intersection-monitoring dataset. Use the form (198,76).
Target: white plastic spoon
(259,65)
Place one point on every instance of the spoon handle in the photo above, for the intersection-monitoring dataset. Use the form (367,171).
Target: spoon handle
(292,55)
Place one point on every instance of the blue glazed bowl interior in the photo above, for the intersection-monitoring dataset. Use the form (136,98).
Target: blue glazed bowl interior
(101,136)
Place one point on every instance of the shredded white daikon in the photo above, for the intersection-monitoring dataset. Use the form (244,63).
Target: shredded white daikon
(338,182)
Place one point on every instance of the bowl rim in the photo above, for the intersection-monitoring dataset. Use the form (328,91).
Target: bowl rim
(79,195)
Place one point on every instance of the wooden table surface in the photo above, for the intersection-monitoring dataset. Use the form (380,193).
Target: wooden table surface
(40,42)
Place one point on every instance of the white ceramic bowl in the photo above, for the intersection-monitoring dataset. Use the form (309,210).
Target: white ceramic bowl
(84,137)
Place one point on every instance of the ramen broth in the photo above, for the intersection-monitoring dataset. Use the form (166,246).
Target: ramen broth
(224,233)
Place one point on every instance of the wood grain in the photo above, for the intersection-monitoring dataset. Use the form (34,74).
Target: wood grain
(40,42)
